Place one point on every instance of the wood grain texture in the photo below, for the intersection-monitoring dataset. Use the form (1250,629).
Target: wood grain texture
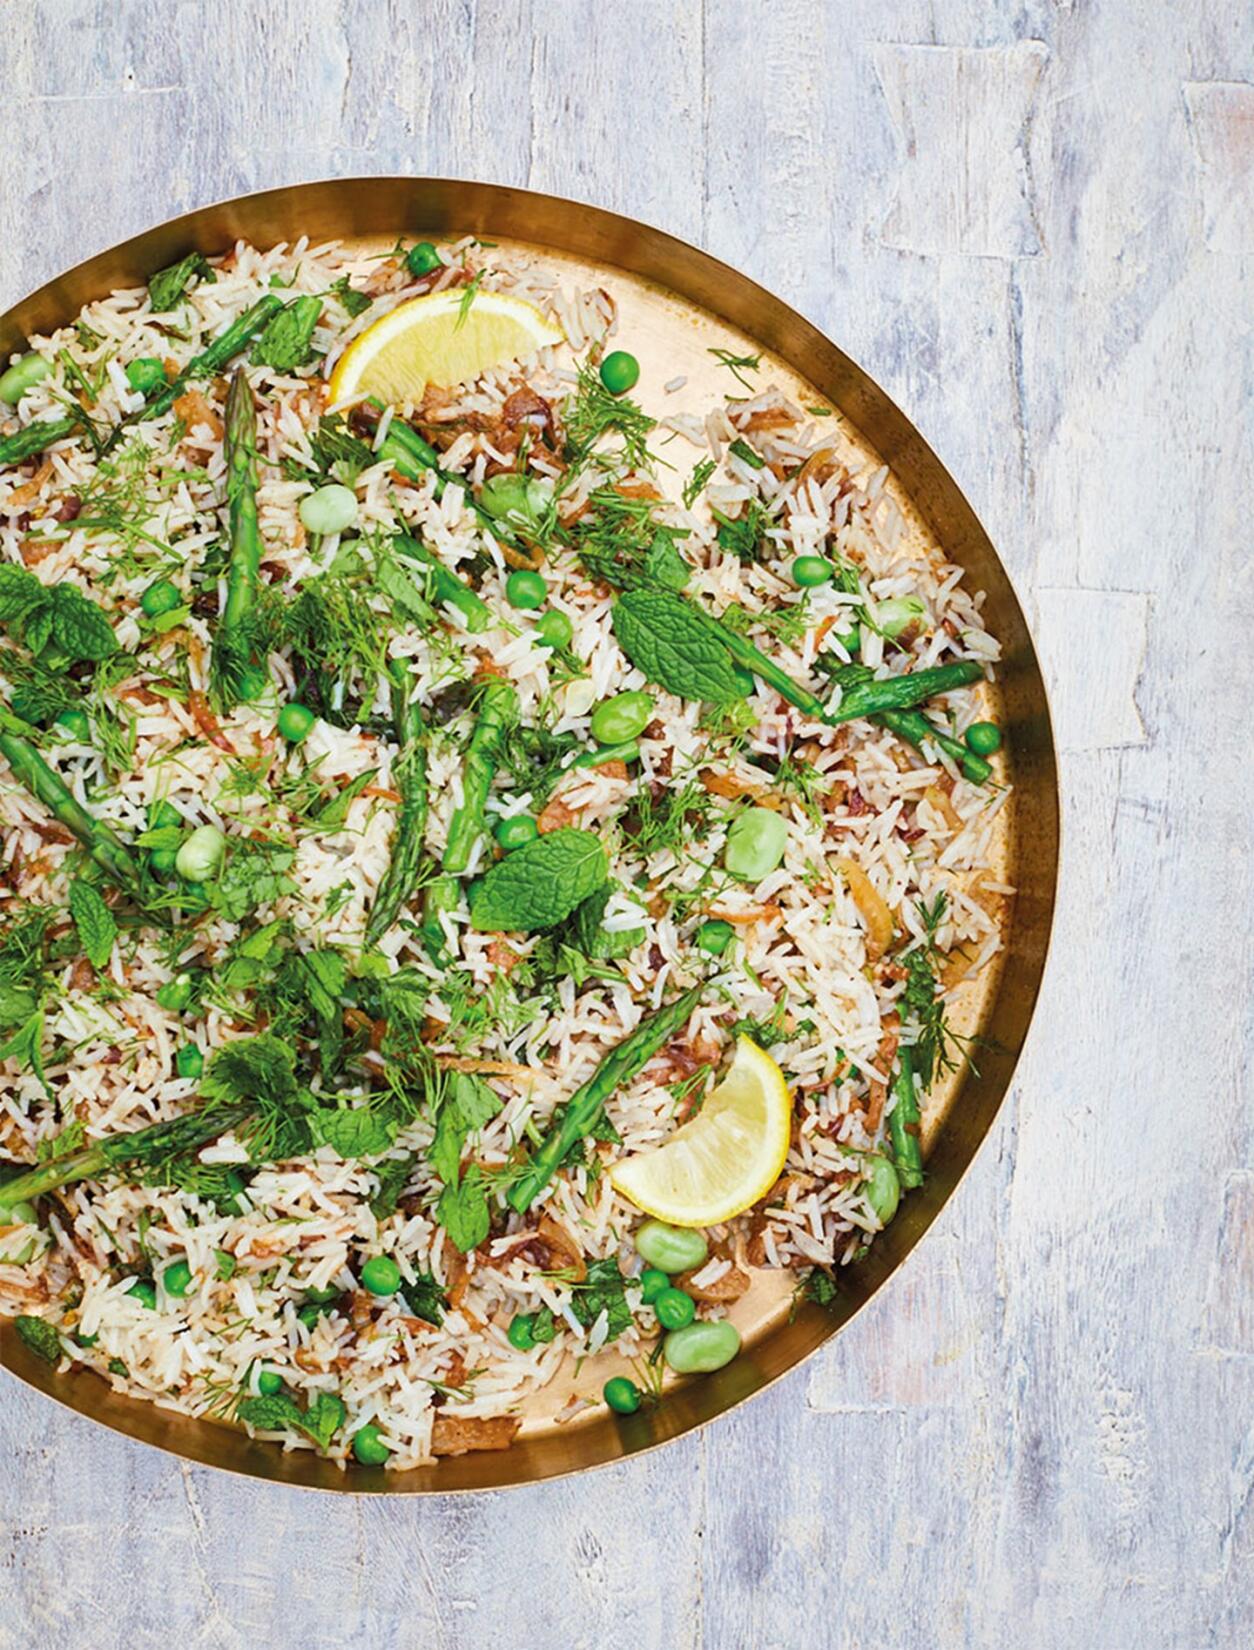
(1033,225)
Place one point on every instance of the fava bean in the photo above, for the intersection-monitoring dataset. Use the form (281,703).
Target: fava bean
(701,1347)
(623,717)
(898,613)
(671,1248)
(200,857)
(329,510)
(23,375)
(755,844)
(808,571)
(881,1188)
(146,375)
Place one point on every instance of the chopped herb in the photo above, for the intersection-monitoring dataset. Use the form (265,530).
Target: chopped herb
(695,485)
(746,454)
(738,365)
(169,285)
(353,302)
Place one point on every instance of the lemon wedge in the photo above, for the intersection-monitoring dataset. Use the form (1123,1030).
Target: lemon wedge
(441,339)
(726,1158)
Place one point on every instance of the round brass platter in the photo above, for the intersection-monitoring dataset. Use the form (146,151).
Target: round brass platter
(675,305)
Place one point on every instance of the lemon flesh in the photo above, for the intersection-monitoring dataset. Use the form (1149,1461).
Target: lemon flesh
(726,1158)
(441,338)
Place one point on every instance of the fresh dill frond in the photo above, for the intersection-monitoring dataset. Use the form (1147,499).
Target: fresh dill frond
(592,412)
(696,483)
(469,293)
(738,365)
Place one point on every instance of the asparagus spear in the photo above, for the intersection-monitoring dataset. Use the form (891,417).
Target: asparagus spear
(233,664)
(583,1111)
(903,1123)
(499,707)
(873,697)
(142,1148)
(216,355)
(99,839)
(914,728)
(445,586)
(35,437)
(411,780)
(405,450)
(751,658)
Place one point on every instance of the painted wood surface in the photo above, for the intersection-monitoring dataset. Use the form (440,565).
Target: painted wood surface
(1035,226)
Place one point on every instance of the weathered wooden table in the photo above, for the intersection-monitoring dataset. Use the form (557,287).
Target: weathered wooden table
(1035,226)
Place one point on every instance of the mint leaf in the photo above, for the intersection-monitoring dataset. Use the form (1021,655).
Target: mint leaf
(168,285)
(275,1412)
(675,645)
(26,1045)
(540,883)
(589,933)
(79,628)
(392,1175)
(37,625)
(285,343)
(334,811)
(664,565)
(19,590)
(425,1299)
(94,921)
(359,1133)
(467,1105)
(16,1004)
(322,1420)
(603,1290)
(226,1263)
(463,1211)
(41,1336)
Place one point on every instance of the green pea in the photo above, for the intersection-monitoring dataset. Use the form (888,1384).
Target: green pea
(269,1381)
(423,258)
(521,1333)
(381,1275)
(745,680)
(329,510)
(163,860)
(22,376)
(674,1309)
(881,1188)
(622,1396)
(555,629)
(714,937)
(808,571)
(144,1291)
(755,844)
(620,372)
(526,590)
(515,831)
(309,1315)
(701,1348)
(176,1280)
(200,858)
(295,721)
(175,994)
(898,613)
(983,738)
(851,641)
(625,716)
(76,724)
(652,1283)
(146,375)
(369,1447)
(671,1248)
(189,1061)
(160,597)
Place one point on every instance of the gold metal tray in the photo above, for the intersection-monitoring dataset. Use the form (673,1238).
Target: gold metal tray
(675,304)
